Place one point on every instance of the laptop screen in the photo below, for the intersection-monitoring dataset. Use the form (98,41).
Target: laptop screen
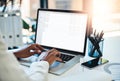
(62,29)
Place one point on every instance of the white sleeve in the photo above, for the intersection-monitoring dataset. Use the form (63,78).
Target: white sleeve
(10,69)
(39,71)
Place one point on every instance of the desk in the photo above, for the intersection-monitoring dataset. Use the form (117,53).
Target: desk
(79,73)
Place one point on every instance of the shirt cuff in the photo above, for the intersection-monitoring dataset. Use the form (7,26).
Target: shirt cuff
(42,63)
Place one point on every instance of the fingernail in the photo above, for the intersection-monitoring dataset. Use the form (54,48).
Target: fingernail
(39,51)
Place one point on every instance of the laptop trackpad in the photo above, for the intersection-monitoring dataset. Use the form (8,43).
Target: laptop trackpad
(56,67)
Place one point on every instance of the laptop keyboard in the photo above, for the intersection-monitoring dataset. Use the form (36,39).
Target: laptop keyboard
(65,58)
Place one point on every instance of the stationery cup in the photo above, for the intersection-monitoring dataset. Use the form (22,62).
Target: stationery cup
(96,50)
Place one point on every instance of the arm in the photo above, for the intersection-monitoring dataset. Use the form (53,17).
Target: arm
(10,70)
(39,71)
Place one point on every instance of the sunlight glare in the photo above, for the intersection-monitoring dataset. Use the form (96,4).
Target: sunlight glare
(101,14)
(101,6)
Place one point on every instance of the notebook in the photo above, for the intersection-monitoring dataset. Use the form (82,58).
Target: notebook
(64,30)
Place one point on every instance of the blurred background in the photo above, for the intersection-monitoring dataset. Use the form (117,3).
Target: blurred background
(104,15)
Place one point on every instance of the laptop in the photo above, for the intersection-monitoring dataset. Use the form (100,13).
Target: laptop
(64,30)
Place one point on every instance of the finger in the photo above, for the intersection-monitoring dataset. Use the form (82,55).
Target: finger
(51,57)
(31,53)
(51,50)
(58,59)
(55,54)
(39,46)
(37,51)
(54,51)
(35,47)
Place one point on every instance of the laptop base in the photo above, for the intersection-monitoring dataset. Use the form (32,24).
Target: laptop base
(59,68)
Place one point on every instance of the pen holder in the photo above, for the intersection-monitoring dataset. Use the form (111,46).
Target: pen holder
(95,47)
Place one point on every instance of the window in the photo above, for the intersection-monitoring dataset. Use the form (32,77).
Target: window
(65,4)
(106,15)
(29,8)
(29,15)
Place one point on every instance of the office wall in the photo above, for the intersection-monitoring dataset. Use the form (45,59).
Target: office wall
(25,8)
(74,4)
(34,5)
(111,48)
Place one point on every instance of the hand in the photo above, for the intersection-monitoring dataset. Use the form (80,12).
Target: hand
(52,56)
(26,51)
